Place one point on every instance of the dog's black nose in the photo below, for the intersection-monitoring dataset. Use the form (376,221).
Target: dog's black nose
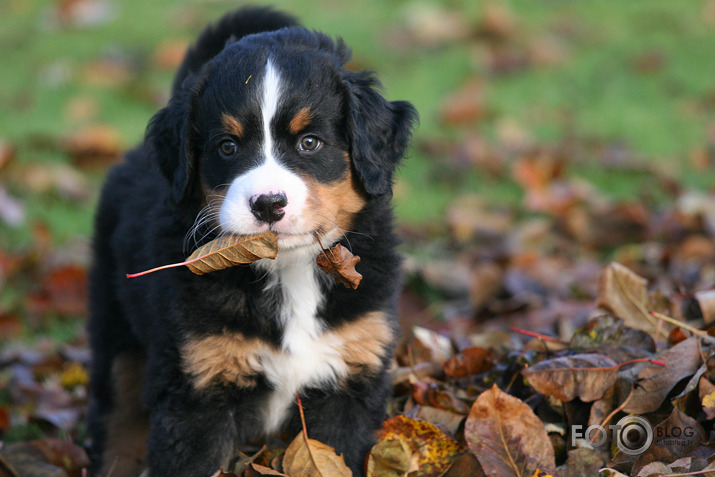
(269,207)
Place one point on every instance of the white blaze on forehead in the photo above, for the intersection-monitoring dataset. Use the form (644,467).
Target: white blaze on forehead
(271,95)
(268,177)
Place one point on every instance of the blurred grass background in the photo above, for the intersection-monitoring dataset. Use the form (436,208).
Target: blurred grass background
(625,82)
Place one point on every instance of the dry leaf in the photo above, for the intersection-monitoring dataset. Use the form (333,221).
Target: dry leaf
(392,458)
(586,376)
(582,461)
(46,457)
(97,144)
(625,294)
(230,250)
(169,54)
(311,458)
(465,465)
(706,300)
(255,470)
(473,360)
(225,252)
(655,382)
(506,437)
(608,332)
(339,263)
(433,451)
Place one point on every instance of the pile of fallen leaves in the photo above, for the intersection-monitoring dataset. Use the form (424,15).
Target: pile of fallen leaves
(566,333)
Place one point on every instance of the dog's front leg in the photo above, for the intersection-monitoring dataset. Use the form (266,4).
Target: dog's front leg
(190,436)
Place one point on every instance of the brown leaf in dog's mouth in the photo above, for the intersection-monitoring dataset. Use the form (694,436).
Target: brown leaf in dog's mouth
(340,263)
(224,252)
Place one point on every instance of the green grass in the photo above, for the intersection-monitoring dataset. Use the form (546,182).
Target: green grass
(596,94)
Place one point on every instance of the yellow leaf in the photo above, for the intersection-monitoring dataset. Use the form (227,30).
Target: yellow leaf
(73,375)
(433,450)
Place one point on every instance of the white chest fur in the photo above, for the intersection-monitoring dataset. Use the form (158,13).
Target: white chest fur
(308,356)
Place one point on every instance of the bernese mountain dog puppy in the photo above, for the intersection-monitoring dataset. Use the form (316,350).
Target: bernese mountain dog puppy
(266,130)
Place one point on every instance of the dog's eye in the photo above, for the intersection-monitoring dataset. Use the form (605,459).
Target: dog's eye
(309,143)
(228,149)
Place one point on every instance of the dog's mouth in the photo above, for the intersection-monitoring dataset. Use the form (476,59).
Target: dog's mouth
(319,237)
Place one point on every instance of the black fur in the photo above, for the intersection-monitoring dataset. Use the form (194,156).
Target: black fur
(150,202)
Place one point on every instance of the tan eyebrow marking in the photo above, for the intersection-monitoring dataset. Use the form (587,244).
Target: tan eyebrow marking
(300,121)
(232,125)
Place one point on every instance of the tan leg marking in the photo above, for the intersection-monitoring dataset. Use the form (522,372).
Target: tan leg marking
(365,342)
(226,358)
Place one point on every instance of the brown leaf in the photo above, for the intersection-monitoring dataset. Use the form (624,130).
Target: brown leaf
(255,470)
(472,360)
(10,326)
(64,454)
(608,330)
(169,54)
(582,461)
(63,291)
(225,252)
(7,153)
(46,457)
(311,458)
(655,382)
(506,437)
(231,250)
(706,300)
(446,420)
(625,293)
(432,394)
(466,105)
(96,144)
(432,450)
(465,465)
(339,263)
(586,376)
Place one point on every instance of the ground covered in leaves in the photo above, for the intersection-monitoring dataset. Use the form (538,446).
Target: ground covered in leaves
(559,310)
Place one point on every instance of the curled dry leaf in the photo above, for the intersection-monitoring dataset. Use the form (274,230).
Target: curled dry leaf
(339,263)
(225,252)
(391,457)
(307,457)
(506,437)
(472,360)
(586,376)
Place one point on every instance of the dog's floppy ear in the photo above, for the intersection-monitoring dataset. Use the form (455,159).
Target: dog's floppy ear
(379,131)
(169,138)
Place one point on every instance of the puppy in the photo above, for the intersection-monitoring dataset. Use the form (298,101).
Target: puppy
(265,131)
